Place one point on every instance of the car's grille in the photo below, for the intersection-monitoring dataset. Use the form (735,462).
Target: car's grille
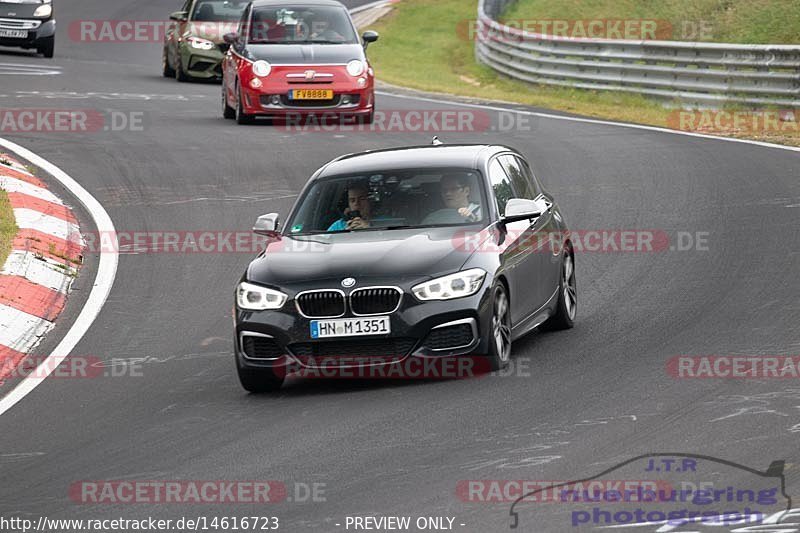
(449,337)
(391,348)
(374,301)
(19,24)
(320,304)
(261,347)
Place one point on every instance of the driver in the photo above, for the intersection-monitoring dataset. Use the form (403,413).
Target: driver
(358,204)
(321,30)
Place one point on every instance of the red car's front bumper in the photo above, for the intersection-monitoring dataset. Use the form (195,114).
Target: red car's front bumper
(351,96)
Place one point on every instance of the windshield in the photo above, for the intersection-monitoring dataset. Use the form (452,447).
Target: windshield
(218,10)
(301,24)
(398,199)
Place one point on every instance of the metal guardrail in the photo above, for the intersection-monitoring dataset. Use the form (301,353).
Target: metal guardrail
(693,73)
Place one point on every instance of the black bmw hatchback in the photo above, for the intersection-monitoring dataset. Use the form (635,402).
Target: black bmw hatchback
(28,24)
(413,254)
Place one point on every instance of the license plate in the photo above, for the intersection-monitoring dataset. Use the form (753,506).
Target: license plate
(350,327)
(17,34)
(311,94)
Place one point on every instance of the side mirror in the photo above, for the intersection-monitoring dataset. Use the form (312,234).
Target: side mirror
(267,225)
(179,16)
(230,38)
(523,209)
(369,37)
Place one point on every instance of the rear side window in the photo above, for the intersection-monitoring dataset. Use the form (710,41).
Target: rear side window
(519,175)
(501,185)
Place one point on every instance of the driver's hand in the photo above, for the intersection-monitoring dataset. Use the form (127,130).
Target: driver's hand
(466,213)
(357,223)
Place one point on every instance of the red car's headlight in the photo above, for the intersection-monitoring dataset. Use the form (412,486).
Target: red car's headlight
(262,68)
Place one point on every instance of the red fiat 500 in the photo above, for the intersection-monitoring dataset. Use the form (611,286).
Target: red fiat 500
(295,59)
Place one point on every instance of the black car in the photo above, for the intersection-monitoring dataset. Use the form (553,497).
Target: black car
(444,251)
(28,24)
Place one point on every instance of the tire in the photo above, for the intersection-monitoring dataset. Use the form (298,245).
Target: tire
(227,111)
(500,332)
(239,114)
(166,70)
(567,305)
(367,119)
(48,47)
(258,380)
(180,75)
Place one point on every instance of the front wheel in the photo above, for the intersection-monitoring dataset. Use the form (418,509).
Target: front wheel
(367,119)
(258,379)
(180,74)
(240,115)
(47,47)
(567,305)
(227,111)
(500,341)
(166,70)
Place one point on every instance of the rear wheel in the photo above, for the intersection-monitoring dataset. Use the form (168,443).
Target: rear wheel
(166,70)
(500,340)
(567,305)
(258,379)
(47,47)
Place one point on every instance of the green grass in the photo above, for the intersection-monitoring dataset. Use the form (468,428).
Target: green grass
(732,21)
(424,45)
(8,227)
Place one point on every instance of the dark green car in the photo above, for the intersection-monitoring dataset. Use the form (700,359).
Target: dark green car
(193,43)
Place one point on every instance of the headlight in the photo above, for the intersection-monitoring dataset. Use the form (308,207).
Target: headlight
(255,298)
(262,68)
(355,67)
(455,285)
(202,44)
(44,10)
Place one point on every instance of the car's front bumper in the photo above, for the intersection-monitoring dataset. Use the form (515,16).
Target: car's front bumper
(351,97)
(37,30)
(411,335)
(202,64)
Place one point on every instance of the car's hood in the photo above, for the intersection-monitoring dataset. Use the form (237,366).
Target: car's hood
(396,255)
(213,31)
(14,10)
(306,54)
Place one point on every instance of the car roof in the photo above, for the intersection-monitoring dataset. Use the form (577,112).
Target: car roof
(428,156)
(260,3)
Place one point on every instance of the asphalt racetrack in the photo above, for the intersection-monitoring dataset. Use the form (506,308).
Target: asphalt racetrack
(573,403)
